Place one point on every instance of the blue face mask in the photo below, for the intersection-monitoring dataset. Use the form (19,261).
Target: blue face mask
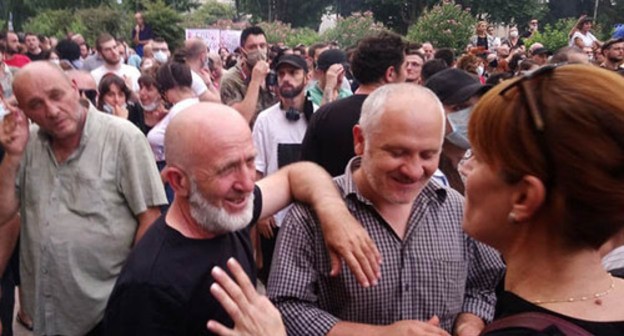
(459,122)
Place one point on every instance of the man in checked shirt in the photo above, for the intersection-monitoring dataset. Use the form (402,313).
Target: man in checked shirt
(434,278)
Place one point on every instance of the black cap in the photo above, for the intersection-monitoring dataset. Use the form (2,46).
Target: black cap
(294,60)
(540,51)
(330,57)
(454,86)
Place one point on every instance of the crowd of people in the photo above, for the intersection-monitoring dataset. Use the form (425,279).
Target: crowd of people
(386,188)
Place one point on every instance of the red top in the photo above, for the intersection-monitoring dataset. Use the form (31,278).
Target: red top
(17,61)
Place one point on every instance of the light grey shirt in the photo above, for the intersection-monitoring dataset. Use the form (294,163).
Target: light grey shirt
(79,220)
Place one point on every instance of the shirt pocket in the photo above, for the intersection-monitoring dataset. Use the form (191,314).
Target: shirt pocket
(85,196)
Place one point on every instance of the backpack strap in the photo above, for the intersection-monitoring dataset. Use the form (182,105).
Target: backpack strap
(537,322)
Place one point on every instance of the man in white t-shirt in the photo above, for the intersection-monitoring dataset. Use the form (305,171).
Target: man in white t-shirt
(106,46)
(277,135)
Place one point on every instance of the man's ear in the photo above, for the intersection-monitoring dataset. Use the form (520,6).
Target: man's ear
(177,179)
(528,198)
(358,140)
(390,75)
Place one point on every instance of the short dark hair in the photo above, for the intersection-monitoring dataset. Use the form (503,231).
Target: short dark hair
(68,50)
(375,54)
(446,54)
(316,46)
(101,39)
(432,67)
(30,34)
(173,74)
(253,30)
(105,84)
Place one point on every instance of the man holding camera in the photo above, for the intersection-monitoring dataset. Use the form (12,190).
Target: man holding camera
(243,86)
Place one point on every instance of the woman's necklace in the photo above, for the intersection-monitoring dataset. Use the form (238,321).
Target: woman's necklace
(596,296)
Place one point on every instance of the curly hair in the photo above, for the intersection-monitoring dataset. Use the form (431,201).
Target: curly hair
(375,54)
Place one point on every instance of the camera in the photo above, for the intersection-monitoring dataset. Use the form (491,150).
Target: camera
(271,78)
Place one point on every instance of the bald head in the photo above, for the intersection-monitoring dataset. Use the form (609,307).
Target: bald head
(194,47)
(199,130)
(23,80)
(409,97)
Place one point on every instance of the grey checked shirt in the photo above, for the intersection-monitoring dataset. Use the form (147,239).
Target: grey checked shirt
(435,270)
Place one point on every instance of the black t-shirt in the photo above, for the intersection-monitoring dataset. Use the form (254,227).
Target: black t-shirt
(482,42)
(37,57)
(164,287)
(329,137)
(509,304)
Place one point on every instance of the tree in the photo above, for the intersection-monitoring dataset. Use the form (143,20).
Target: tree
(554,37)
(165,22)
(507,12)
(349,30)
(208,14)
(277,31)
(446,25)
(299,13)
(398,14)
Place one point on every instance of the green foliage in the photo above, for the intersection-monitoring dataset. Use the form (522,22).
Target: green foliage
(348,31)
(299,13)
(54,22)
(445,25)
(508,12)
(208,14)
(165,22)
(277,31)
(554,37)
(103,19)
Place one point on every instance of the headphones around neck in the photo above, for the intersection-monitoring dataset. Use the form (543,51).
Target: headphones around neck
(292,114)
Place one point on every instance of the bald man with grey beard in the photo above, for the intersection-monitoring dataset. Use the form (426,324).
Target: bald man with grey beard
(164,287)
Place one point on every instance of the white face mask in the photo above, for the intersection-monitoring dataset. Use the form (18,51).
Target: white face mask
(513,34)
(150,107)
(110,109)
(161,57)
(459,123)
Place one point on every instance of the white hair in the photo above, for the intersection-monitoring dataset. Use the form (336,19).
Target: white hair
(214,219)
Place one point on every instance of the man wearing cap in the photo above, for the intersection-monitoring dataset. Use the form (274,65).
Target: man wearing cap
(459,92)
(540,56)
(330,69)
(613,51)
(277,135)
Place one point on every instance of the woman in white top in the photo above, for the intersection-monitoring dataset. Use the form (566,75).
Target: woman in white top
(581,35)
(174,83)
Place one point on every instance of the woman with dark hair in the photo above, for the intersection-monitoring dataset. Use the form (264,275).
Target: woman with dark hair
(174,82)
(114,98)
(546,189)
(154,109)
(581,36)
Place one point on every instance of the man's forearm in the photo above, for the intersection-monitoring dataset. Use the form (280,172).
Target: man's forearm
(247,107)
(9,203)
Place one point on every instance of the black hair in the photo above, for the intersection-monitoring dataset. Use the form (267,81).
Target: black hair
(253,30)
(173,74)
(375,54)
(432,67)
(68,50)
(446,54)
(105,84)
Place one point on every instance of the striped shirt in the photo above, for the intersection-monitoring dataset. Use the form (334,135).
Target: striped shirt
(435,270)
